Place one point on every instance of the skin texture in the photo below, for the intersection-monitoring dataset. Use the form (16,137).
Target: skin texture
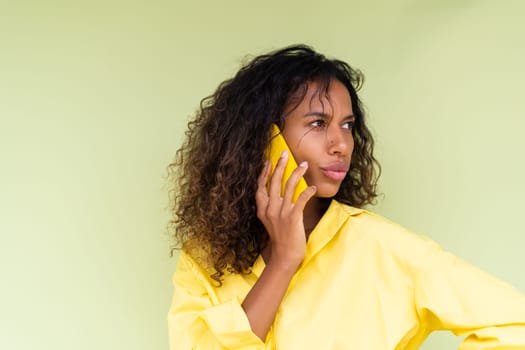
(317,141)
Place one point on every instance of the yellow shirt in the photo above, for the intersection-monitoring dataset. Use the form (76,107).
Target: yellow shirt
(366,283)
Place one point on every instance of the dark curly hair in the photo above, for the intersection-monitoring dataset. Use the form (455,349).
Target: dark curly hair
(215,171)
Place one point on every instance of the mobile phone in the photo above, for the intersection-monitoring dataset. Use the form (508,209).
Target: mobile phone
(276,148)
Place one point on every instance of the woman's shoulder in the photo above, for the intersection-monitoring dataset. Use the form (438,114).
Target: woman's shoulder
(376,228)
(386,241)
(194,261)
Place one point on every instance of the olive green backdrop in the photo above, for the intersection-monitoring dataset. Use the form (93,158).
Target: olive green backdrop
(94,98)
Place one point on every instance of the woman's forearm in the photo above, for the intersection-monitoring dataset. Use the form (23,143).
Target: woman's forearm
(263,300)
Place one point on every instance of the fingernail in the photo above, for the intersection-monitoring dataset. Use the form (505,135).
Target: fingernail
(304,164)
(284,154)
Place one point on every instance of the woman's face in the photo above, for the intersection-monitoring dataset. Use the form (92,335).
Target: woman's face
(319,131)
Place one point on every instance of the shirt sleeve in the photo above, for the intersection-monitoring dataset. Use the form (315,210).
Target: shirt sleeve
(454,295)
(197,323)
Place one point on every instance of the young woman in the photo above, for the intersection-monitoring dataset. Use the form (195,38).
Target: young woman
(259,270)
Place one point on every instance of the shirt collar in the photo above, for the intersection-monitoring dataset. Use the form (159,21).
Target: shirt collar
(331,222)
(329,225)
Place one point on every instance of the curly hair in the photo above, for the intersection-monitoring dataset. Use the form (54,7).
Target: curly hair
(214,173)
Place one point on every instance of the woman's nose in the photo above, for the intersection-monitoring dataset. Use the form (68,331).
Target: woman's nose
(339,140)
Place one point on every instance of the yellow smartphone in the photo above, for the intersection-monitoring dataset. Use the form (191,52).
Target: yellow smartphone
(276,148)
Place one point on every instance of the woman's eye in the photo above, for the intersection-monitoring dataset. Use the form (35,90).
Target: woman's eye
(318,123)
(348,125)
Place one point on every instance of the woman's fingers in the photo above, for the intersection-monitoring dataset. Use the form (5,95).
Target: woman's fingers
(271,207)
(292,182)
(261,195)
(304,197)
(262,180)
(277,176)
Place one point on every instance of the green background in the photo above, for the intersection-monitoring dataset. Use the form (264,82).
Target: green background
(95,96)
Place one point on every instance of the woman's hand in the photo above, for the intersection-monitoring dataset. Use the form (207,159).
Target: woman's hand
(283,220)
(282,217)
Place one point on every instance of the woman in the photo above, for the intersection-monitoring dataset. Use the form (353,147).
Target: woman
(259,270)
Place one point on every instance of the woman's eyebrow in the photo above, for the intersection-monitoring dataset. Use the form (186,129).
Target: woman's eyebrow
(325,115)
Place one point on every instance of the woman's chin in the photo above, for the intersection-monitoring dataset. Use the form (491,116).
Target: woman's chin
(326,191)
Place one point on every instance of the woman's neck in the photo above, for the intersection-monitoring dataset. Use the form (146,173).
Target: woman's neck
(313,212)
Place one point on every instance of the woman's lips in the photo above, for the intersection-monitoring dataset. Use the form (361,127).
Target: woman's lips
(335,171)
